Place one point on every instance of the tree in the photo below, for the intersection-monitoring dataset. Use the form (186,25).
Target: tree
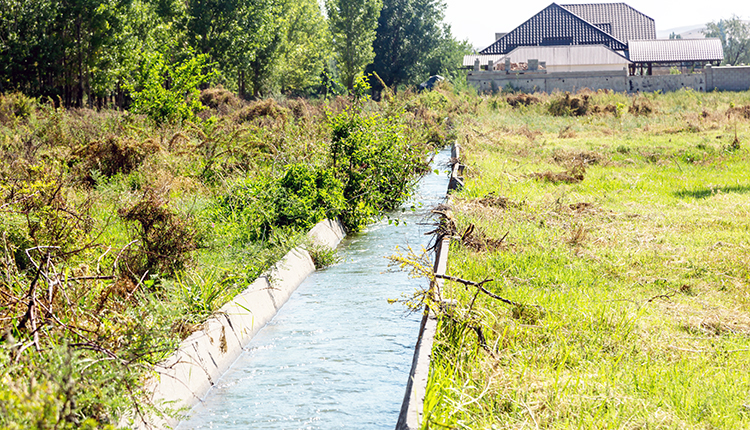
(53,48)
(735,39)
(306,47)
(353,24)
(413,42)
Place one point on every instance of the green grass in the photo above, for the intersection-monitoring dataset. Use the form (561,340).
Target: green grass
(642,269)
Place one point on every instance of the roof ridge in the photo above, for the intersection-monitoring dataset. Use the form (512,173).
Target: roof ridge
(553,4)
(609,4)
(590,23)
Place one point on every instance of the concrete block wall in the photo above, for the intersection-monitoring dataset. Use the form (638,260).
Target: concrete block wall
(666,83)
(727,78)
(487,81)
(573,83)
(186,376)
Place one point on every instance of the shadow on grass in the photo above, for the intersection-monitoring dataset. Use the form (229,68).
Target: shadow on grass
(708,192)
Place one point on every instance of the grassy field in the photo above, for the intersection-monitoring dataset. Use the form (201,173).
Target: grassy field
(621,230)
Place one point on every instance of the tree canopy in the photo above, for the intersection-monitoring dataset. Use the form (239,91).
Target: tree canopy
(353,24)
(91,53)
(735,39)
(412,42)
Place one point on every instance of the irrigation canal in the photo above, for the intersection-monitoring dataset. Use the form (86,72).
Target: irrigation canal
(337,355)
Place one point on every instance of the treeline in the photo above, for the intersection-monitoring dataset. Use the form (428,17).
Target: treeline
(95,53)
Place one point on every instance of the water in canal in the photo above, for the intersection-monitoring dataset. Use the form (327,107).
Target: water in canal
(337,355)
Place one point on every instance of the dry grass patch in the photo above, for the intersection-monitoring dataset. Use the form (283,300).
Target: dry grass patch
(574,175)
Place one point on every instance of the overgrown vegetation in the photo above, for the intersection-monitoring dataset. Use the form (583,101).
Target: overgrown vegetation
(99,53)
(120,234)
(618,300)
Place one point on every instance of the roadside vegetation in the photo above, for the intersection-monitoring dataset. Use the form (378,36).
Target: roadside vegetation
(613,231)
(121,233)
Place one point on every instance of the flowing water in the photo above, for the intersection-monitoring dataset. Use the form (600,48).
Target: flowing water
(337,355)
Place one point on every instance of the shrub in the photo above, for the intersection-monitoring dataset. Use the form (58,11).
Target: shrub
(254,207)
(15,106)
(569,106)
(221,100)
(110,156)
(309,195)
(374,163)
(166,239)
(265,108)
(522,100)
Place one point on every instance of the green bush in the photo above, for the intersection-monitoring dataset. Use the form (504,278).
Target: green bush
(309,195)
(254,207)
(373,161)
(169,93)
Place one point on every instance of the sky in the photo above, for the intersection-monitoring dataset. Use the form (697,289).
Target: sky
(479,20)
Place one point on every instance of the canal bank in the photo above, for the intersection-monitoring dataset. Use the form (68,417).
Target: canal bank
(337,353)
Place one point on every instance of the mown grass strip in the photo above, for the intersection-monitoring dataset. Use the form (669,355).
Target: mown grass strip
(642,266)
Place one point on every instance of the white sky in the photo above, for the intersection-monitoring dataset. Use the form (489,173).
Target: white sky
(479,20)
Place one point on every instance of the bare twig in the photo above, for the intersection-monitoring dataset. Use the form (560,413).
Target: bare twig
(662,296)
(480,287)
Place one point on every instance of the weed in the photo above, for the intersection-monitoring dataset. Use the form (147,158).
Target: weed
(641,106)
(111,156)
(322,256)
(166,239)
(262,109)
(572,176)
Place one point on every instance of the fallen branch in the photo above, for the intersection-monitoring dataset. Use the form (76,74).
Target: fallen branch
(480,287)
(662,296)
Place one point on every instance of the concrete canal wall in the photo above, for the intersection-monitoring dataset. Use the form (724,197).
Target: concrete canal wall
(412,408)
(186,376)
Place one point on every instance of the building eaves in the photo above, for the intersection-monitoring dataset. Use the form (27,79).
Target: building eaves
(675,50)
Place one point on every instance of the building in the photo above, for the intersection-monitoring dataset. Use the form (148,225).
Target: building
(596,37)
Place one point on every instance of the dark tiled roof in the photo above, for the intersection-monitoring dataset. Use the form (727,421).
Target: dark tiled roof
(618,19)
(675,50)
(554,25)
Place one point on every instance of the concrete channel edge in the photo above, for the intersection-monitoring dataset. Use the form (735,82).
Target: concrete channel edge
(187,375)
(412,408)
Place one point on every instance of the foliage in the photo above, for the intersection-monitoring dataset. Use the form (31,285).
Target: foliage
(165,239)
(85,53)
(412,43)
(119,237)
(373,162)
(254,208)
(352,24)
(565,105)
(169,93)
(322,256)
(306,36)
(734,34)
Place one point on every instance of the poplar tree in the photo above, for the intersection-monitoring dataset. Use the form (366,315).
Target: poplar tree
(353,24)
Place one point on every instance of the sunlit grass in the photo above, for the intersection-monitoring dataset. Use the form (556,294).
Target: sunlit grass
(643,270)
